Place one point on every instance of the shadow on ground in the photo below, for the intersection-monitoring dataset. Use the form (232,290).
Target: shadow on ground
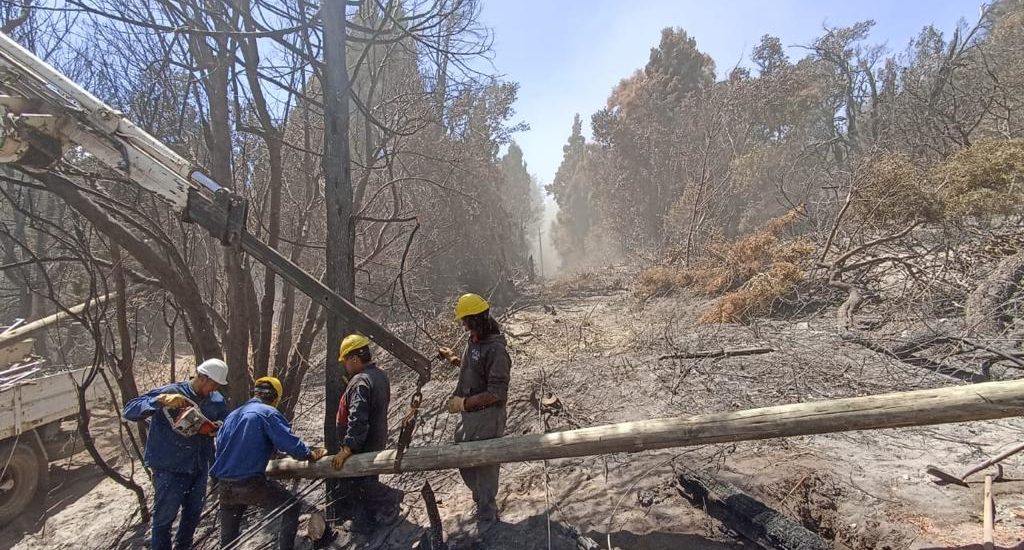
(66,486)
(534,533)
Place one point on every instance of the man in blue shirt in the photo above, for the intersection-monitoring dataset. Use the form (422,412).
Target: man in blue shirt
(245,444)
(180,464)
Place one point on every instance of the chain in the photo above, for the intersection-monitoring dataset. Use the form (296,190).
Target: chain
(408,425)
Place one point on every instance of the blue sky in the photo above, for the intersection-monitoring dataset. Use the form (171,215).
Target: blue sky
(567,54)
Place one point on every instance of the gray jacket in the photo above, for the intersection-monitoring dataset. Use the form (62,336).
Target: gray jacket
(486,366)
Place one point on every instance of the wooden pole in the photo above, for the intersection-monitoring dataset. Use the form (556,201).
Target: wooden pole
(988,510)
(540,251)
(917,408)
(24,331)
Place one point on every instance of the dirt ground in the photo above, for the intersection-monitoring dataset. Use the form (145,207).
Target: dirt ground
(594,345)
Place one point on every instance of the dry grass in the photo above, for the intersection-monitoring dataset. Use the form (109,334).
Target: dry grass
(750,274)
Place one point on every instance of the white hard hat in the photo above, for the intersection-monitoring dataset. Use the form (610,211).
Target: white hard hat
(216,369)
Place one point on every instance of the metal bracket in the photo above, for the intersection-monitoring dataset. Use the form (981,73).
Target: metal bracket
(237,209)
(224,218)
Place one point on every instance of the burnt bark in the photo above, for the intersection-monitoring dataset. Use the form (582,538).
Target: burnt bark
(89,443)
(272,140)
(214,56)
(762,525)
(125,363)
(340,238)
(338,192)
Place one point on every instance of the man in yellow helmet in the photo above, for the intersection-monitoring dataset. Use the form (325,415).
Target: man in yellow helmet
(250,434)
(362,425)
(480,397)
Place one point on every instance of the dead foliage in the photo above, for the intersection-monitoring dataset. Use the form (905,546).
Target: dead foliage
(893,190)
(750,273)
(984,179)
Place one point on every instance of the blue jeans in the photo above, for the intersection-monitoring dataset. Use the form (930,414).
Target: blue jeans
(173,491)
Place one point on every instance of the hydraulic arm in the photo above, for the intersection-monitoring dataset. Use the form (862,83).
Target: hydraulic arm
(45,114)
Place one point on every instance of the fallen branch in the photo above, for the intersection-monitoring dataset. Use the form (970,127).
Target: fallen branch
(962,480)
(725,352)
(915,361)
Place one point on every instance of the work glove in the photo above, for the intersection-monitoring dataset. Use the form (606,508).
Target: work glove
(448,355)
(341,458)
(171,400)
(316,453)
(457,405)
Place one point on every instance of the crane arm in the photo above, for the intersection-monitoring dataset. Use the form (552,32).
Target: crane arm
(46,114)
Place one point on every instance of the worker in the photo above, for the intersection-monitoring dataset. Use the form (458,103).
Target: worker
(362,425)
(245,443)
(180,463)
(480,397)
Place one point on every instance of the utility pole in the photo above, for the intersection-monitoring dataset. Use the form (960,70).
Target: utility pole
(338,193)
(540,251)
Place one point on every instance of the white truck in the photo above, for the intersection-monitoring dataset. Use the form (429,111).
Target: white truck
(35,399)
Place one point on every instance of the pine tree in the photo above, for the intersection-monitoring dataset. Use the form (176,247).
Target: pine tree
(572,189)
(521,199)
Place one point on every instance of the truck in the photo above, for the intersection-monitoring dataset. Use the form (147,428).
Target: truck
(36,399)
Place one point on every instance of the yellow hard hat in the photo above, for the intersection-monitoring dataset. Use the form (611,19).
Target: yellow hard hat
(351,343)
(470,304)
(277,387)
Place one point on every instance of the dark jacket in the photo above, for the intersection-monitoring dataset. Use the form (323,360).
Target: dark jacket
(486,366)
(165,449)
(362,419)
(249,437)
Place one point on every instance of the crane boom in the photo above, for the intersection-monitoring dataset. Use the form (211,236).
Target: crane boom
(47,113)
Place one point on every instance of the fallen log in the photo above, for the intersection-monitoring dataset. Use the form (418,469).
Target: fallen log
(916,408)
(725,352)
(746,515)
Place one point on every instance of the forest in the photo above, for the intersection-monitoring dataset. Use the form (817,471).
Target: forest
(842,199)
